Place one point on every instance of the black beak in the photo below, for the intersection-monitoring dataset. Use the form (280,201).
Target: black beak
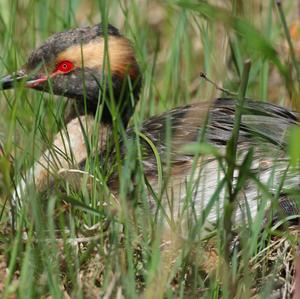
(9,81)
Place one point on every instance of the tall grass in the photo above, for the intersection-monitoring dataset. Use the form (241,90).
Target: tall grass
(82,242)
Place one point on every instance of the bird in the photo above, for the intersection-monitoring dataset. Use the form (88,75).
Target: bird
(182,151)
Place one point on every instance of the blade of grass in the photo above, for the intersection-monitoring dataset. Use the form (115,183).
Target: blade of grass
(231,154)
(288,38)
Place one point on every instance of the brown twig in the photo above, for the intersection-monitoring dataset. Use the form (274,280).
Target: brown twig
(204,76)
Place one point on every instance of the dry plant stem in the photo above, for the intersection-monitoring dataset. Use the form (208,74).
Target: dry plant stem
(172,246)
(296,294)
(231,153)
(228,92)
(288,38)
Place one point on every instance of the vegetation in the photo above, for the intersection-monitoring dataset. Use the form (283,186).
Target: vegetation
(73,243)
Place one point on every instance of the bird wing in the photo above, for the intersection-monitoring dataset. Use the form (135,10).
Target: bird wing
(262,125)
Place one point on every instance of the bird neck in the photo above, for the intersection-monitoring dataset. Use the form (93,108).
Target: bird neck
(120,104)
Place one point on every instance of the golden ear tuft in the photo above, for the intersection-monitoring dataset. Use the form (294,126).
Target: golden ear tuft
(92,55)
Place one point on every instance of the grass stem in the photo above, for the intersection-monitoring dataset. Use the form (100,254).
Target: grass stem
(231,154)
(288,38)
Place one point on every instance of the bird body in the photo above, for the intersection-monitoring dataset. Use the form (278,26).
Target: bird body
(264,128)
(99,70)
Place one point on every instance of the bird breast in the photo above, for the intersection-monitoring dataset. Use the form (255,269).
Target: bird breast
(68,150)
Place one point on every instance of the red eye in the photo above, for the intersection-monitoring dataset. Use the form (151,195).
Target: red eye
(64,66)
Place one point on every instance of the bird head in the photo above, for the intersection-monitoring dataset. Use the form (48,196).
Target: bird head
(86,65)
